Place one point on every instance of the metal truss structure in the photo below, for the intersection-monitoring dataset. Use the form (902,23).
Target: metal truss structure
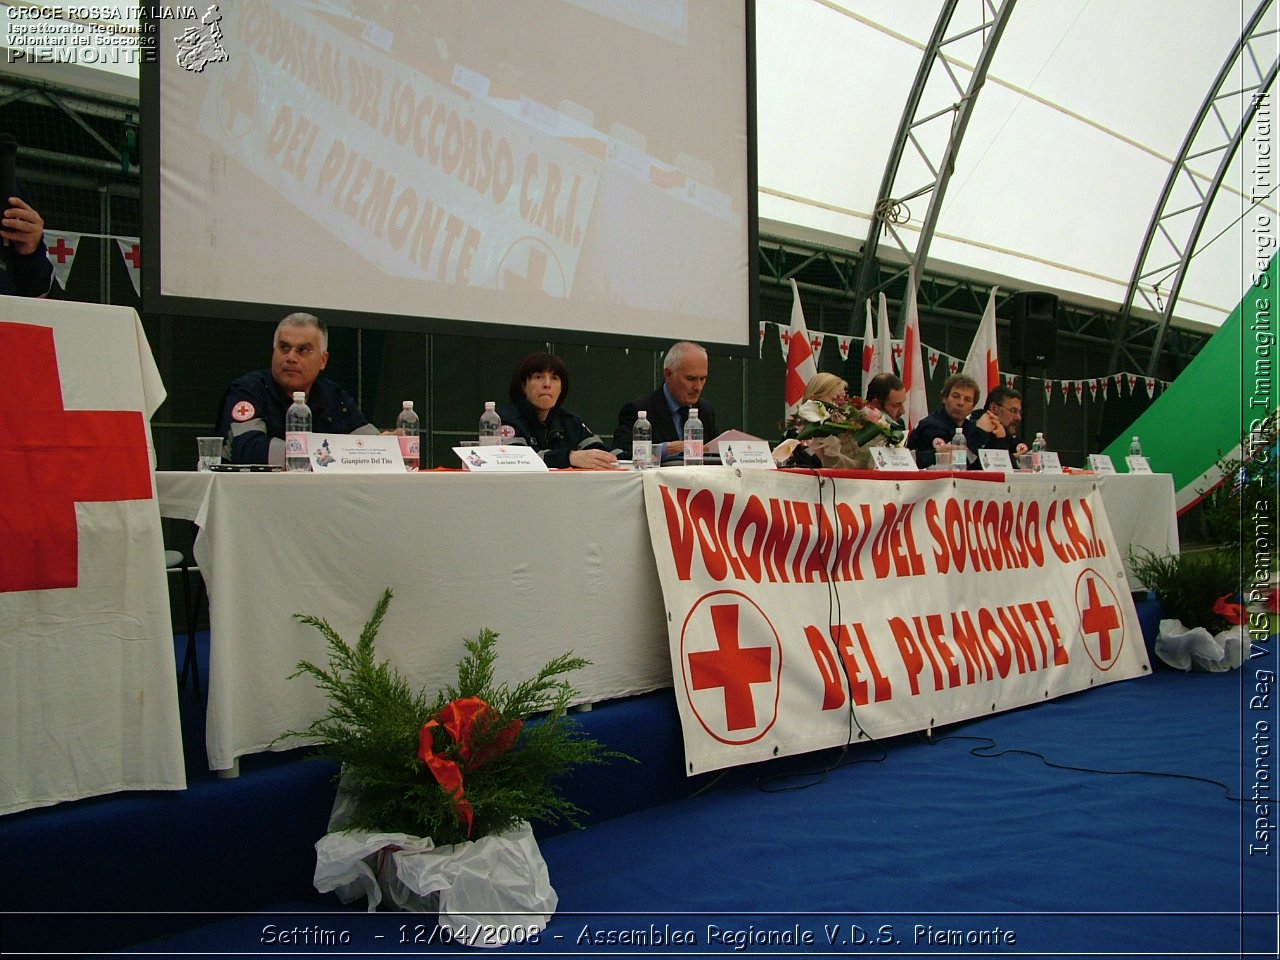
(83,142)
(834,274)
(1169,243)
(918,129)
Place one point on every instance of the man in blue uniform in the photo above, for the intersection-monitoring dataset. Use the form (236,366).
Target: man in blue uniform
(254,406)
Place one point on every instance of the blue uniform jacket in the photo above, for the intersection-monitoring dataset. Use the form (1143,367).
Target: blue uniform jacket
(554,440)
(249,429)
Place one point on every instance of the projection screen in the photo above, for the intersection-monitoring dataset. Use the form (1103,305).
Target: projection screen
(584,167)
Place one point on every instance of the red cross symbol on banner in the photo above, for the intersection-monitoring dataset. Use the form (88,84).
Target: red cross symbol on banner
(530,267)
(239,98)
(1100,620)
(61,250)
(54,459)
(732,667)
(134,256)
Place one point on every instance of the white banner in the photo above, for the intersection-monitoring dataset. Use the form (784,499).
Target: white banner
(930,601)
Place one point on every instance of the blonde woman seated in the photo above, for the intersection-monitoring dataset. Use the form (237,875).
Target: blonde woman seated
(824,387)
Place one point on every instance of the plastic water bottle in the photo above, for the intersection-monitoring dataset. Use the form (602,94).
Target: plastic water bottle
(1135,448)
(693,439)
(490,424)
(1037,450)
(959,451)
(410,445)
(642,442)
(297,434)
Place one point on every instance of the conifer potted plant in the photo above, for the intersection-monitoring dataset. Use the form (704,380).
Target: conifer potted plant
(1202,620)
(437,790)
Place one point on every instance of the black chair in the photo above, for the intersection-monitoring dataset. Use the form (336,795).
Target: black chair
(175,561)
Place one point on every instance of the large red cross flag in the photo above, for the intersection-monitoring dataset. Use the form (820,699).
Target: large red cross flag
(800,363)
(912,365)
(883,361)
(87,700)
(982,363)
(868,350)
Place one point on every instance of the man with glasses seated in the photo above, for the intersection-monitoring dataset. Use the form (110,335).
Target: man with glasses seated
(253,409)
(1002,418)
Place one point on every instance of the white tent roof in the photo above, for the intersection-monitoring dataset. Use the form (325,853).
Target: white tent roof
(1084,110)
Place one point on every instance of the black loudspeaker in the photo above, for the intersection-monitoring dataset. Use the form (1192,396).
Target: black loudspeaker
(1035,328)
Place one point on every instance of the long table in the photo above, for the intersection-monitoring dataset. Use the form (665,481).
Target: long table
(553,562)
(1142,511)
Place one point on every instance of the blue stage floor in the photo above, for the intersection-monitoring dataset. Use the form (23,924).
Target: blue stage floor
(1126,842)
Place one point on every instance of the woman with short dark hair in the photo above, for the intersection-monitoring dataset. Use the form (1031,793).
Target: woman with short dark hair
(536,414)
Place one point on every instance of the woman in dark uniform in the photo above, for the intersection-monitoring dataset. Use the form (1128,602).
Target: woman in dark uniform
(536,414)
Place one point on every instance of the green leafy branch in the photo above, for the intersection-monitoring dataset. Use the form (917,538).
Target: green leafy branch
(375,720)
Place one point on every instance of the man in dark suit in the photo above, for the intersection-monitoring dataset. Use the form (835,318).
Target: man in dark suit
(684,375)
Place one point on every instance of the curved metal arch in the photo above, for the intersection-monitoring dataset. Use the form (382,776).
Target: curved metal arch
(992,25)
(1162,215)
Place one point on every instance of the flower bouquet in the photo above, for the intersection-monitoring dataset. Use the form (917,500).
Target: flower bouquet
(437,791)
(839,433)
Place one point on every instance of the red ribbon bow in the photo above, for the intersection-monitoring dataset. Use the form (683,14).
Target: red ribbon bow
(1233,613)
(460,719)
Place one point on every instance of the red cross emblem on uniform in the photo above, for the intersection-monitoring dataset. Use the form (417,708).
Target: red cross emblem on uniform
(242,411)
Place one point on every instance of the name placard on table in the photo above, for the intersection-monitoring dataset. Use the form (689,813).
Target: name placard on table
(749,454)
(355,453)
(892,458)
(1049,462)
(500,458)
(997,460)
(1100,463)
(1138,463)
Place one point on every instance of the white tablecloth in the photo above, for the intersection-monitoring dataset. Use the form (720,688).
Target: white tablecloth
(1143,514)
(553,562)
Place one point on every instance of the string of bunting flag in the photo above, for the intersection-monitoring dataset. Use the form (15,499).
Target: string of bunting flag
(62,248)
(1122,382)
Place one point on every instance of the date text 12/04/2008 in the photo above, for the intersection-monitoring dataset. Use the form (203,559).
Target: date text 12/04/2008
(487,934)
